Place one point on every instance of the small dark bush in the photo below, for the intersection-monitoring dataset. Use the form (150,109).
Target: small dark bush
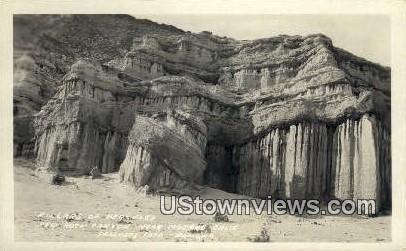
(262,237)
(58,179)
(203,228)
(221,217)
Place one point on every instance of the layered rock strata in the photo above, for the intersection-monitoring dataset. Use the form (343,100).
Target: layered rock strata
(165,152)
(289,116)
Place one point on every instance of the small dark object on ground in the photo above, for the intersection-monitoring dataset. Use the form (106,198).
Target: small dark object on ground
(124,220)
(221,217)
(58,179)
(262,237)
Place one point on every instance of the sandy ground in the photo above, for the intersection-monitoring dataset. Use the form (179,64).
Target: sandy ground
(89,210)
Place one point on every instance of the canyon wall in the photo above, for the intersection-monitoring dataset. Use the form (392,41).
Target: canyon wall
(288,116)
(308,160)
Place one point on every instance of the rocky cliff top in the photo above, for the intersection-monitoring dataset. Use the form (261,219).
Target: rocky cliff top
(256,84)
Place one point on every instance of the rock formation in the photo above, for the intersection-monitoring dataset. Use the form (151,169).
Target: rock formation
(165,152)
(288,116)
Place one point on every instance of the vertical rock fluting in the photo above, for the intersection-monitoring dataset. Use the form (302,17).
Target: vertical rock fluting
(83,147)
(287,162)
(306,160)
(310,160)
(360,161)
(81,127)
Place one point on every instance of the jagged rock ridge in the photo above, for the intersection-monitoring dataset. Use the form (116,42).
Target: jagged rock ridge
(287,116)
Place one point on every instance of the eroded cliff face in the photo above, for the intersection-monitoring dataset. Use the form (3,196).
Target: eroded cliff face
(289,116)
(308,160)
(166,152)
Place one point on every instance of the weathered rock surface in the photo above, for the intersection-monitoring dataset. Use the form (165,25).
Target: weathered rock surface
(287,116)
(165,152)
(308,160)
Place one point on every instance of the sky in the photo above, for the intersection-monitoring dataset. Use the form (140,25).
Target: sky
(367,36)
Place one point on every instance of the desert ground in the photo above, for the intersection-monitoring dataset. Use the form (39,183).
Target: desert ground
(86,209)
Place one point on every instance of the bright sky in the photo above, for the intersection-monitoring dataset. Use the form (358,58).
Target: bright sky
(367,36)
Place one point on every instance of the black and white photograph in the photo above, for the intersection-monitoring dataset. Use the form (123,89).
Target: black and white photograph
(137,127)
